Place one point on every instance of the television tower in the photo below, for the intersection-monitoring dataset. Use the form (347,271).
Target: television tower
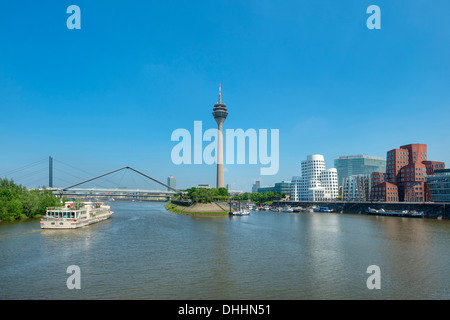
(220,114)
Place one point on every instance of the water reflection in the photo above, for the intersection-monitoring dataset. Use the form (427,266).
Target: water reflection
(144,252)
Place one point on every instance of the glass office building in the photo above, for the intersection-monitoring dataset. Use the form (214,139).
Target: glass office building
(358,165)
(171,182)
(280,187)
(439,185)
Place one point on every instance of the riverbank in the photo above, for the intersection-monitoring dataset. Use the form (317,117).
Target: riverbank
(198,209)
(17,202)
(22,219)
(431,210)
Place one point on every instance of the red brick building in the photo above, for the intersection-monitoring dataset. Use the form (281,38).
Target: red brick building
(433,165)
(377,178)
(385,192)
(411,183)
(406,169)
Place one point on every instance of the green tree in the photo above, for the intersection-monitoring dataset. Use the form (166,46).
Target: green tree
(223,192)
(30,202)
(17,201)
(15,208)
(202,195)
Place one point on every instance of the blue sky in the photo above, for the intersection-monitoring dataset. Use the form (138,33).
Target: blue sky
(111,94)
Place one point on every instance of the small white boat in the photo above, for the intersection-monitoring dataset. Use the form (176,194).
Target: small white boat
(287,209)
(75,215)
(242,212)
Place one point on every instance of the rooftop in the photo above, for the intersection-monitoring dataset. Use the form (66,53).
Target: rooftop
(361,156)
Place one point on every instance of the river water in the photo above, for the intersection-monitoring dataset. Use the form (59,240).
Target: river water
(145,252)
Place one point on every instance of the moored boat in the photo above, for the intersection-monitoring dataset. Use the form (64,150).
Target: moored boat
(75,215)
(242,212)
(323,209)
(395,213)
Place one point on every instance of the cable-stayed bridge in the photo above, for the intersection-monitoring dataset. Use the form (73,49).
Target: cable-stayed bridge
(114,190)
(115,194)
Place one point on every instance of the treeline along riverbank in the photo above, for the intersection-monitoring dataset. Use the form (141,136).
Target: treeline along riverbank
(17,202)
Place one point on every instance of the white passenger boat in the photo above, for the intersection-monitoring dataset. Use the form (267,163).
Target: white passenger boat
(75,215)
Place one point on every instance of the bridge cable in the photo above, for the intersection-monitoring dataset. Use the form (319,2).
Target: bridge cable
(57,169)
(6,173)
(84,171)
(134,181)
(165,185)
(28,175)
(120,182)
(64,180)
(130,168)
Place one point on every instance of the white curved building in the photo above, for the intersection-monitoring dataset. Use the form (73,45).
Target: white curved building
(316,182)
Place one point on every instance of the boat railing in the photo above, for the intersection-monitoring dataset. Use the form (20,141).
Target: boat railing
(57,208)
(64,208)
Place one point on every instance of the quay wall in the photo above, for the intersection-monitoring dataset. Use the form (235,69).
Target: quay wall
(183,203)
(430,210)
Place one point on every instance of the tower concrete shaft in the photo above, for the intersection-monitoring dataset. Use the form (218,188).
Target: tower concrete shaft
(220,172)
(220,114)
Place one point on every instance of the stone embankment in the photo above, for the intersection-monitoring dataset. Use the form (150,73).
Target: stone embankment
(430,210)
(184,207)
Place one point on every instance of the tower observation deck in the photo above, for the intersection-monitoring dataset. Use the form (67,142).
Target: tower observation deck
(220,111)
